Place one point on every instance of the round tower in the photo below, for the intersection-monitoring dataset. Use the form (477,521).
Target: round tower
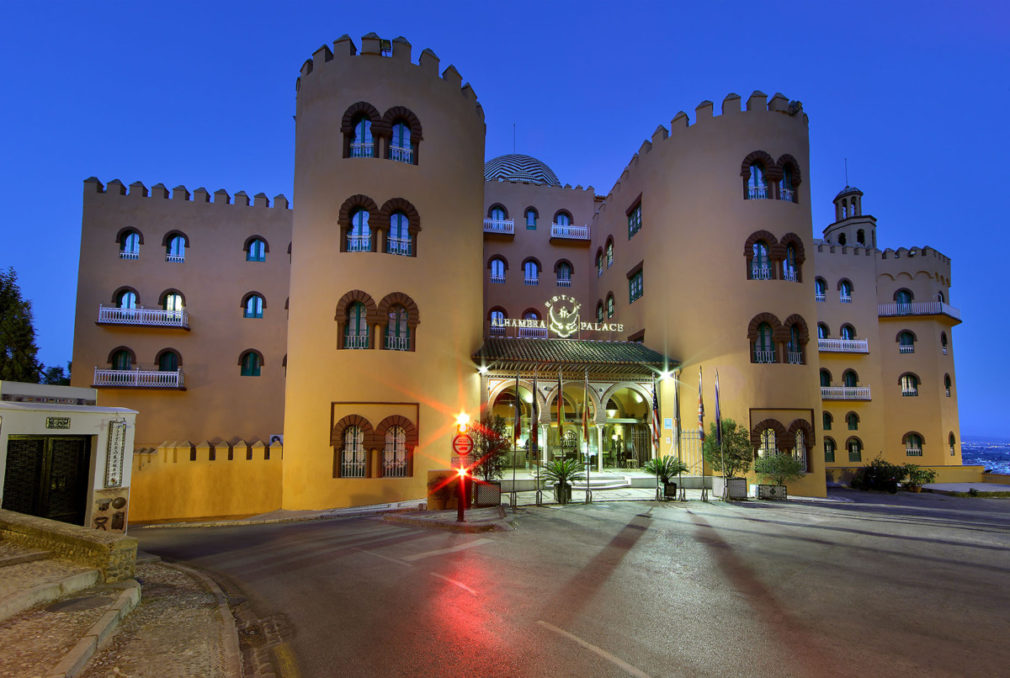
(385,306)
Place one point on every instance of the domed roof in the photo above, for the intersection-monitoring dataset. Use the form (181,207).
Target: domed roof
(515,167)
(847,191)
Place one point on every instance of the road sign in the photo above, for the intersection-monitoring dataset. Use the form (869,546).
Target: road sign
(462,445)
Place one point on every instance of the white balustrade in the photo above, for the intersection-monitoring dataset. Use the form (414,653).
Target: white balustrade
(139,378)
(757,192)
(843,345)
(175,258)
(531,281)
(498,279)
(400,246)
(496,331)
(359,243)
(764,355)
(506,226)
(401,154)
(570,232)
(125,254)
(845,298)
(906,348)
(787,194)
(918,308)
(794,357)
(531,332)
(909,392)
(819,297)
(152,317)
(845,392)
(358,341)
(564,282)
(789,273)
(362,150)
(913,451)
(394,343)
(760,272)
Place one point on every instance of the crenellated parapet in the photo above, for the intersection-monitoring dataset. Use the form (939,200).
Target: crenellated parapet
(826,248)
(705,116)
(138,190)
(912,262)
(397,50)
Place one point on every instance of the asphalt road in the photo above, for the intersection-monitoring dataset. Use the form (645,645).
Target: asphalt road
(873,585)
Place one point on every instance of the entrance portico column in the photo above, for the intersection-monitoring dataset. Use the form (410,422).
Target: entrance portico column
(542,431)
(599,447)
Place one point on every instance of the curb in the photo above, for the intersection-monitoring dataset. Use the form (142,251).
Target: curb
(229,634)
(500,524)
(322,515)
(46,593)
(75,661)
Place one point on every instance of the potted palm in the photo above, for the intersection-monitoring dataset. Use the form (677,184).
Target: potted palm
(917,477)
(665,469)
(778,469)
(561,472)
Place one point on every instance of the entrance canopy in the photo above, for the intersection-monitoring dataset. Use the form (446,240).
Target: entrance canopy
(615,360)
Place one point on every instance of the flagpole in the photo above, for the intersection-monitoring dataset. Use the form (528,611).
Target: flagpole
(536,430)
(681,493)
(718,428)
(656,432)
(585,431)
(701,436)
(514,496)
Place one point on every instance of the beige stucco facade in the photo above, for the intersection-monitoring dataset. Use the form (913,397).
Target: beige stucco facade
(384,135)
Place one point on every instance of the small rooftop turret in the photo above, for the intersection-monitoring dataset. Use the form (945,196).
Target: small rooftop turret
(851,227)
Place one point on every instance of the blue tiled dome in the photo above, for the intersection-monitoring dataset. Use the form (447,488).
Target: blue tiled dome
(515,167)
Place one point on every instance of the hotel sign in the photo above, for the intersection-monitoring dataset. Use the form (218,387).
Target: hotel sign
(563,319)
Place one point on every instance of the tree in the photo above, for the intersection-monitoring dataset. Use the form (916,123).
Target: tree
(736,449)
(779,468)
(17,336)
(56,375)
(490,445)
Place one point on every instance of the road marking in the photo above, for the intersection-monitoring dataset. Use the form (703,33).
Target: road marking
(451,549)
(286,661)
(453,582)
(617,661)
(379,555)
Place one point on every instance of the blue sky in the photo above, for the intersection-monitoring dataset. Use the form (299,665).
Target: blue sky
(914,94)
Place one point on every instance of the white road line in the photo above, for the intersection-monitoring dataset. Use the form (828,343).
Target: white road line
(454,582)
(451,549)
(379,555)
(617,661)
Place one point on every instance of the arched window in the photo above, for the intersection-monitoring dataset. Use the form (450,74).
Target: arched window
(757,186)
(764,349)
(599,311)
(943,342)
(855,447)
(359,238)
(800,450)
(940,297)
(172,302)
(356,332)
(531,272)
(903,297)
(531,219)
(497,270)
(564,272)
(562,218)
(786,189)
(610,253)
(400,149)
(820,289)
(794,349)
(852,421)
(760,268)
(362,144)
(767,447)
(946,385)
(354,456)
(822,331)
(826,421)
(906,342)
(176,249)
(829,450)
(789,264)
(850,378)
(256,250)
(251,363)
(913,445)
(909,385)
(841,237)
(952,444)
(397,332)
(129,245)
(861,237)
(599,263)
(394,454)
(253,305)
(496,320)
(610,306)
(122,359)
(848,332)
(168,361)
(497,213)
(845,292)
(825,378)
(398,241)
(126,299)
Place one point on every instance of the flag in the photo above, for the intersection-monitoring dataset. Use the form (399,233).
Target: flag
(561,409)
(515,425)
(701,410)
(585,409)
(535,421)
(718,414)
(655,415)
(676,409)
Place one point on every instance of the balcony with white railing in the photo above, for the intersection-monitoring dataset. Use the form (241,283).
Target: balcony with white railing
(359,243)
(357,341)
(126,254)
(794,357)
(496,331)
(138,378)
(175,258)
(531,281)
(400,246)
(531,332)
(787,194)
(845,298)
(401,154)
(845,392)
(564,282)
(362,150)
(918,308)
(394,343)
(819,297)
(757,192)
(760,272)
(843,345)
(789,273)
(498,279)
(764,356)
(906,348)
(569,232)
(500,226)
(146,317)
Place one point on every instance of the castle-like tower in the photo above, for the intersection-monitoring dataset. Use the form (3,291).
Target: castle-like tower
(385,273)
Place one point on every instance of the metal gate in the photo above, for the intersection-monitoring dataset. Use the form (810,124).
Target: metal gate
(47,476)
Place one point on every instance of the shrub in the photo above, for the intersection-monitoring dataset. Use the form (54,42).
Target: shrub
(918,475)
(490,446)
(878,475)
(665,467)
(736,449)
(779,468)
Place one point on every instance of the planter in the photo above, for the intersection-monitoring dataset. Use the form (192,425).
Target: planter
(669,490)
(737,487)
(775,492)
(563,493)
(913,488)
(487,493)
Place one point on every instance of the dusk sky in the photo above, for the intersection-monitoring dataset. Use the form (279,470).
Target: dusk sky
(914,94)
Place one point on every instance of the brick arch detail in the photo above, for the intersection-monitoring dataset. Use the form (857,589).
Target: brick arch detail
(344,218)
(399,298)
(783,439)
(922,438)
(249,241)
(169,349)
(258,353)
(350,298)
(396,420)
(846,280)
(133,356)
(356,110)
(337,434)
(808,432)
(171,234)
(124,288)
(504,209)
(398,205)
(127,230)
(897,337)
(406,115)
(499,257)
(769,318)
(787,160)
(571,268)
(748,247)
(796,319)
(797,243)
(250,293)
(772,171)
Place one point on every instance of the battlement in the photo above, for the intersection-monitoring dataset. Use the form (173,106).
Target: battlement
(704,113)
(396,50)
(823,247)
(908,253)
(544,187)
(200,195)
